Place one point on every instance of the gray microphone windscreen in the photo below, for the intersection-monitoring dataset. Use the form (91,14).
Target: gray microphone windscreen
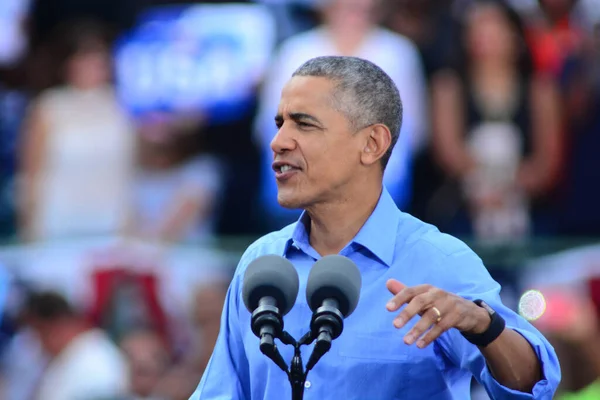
(273,276)
(337,277)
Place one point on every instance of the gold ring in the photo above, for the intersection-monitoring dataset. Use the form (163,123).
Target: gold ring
(439,314)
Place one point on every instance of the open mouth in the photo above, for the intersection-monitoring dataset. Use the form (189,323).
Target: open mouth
(286,168)
(283,170)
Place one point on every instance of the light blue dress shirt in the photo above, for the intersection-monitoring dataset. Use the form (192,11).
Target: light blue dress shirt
(370,360)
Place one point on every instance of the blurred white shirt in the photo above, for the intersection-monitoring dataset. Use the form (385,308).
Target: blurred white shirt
(86,178)
(156,192)
(91,367)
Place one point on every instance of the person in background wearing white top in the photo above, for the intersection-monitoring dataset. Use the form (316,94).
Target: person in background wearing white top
(350,28)
(84,363)
(78,148)
(178,184)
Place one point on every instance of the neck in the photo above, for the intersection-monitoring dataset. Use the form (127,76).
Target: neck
(69,332)
(493,70)
(347,40)
(334,224)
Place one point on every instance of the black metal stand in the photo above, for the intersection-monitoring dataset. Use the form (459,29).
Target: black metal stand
(297,374)
(326,325)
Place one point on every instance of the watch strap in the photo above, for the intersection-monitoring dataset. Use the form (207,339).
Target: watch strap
(496,327)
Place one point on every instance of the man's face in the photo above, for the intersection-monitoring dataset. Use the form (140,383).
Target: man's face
(316,151)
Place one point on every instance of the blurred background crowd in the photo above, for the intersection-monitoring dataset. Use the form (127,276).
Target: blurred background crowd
(135,169)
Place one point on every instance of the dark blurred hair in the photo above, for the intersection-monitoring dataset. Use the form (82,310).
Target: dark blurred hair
(82,36)
(78,36)
(47,307)
(524,59)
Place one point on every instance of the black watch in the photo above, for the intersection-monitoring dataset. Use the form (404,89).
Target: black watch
(496,327)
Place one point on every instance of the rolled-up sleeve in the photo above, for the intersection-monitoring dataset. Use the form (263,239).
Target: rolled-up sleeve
(226,376)
(476,283)
(543,389)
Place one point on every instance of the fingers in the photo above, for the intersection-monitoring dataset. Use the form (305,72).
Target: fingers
(420,300)
(438,328)
(417,305)
(405,295)
(429,318)
(394,286)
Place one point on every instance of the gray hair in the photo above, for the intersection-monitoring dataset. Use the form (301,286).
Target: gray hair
(364,93)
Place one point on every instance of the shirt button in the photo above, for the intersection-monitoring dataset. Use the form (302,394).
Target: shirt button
(307,384)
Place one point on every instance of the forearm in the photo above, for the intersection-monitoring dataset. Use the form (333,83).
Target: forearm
(513,362)
(184,212)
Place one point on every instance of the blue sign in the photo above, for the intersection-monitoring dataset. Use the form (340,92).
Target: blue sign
(204,58)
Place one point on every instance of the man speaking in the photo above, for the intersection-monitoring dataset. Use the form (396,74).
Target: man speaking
(429,316)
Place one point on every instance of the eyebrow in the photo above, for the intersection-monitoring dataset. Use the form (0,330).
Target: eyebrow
(296,117)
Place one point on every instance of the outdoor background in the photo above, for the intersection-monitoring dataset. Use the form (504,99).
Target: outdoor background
(135,169)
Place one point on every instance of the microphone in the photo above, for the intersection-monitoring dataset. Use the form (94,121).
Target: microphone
(269,291)
(332,292)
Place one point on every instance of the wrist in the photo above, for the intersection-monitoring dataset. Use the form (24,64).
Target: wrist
(483,319)
(488,328)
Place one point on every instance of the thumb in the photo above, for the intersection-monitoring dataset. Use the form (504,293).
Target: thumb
(394,286)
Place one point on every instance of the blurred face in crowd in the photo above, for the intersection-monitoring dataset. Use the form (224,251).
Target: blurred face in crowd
(316,152)
(351,13)
(50,334)
(208,304)
(148,360)
(89,68)
(490,36)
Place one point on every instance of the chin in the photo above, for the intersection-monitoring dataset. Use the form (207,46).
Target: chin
(290,201)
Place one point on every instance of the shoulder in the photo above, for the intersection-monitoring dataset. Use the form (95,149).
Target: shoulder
(93,354)
(424,239)
(397,41)
(306,39)
(271,243)
(444,260)
(97,345)
(51,98)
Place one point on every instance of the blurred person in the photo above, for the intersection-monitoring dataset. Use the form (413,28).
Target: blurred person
(580,196)
(22,359)
(182,378)
(350,28)
(23,364)
(555,36)
(83,362)
(209,302)
(432,26)
(148,360)
(78,147)
(14,41)
(178,184)
(496,129)
(13,106)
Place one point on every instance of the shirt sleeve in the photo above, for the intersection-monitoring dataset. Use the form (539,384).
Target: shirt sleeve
(476,283)
(227,374)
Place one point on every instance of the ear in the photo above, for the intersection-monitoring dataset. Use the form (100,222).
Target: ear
(378,140)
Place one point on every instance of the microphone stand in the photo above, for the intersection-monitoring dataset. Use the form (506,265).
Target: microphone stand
(297,374)
(323,333)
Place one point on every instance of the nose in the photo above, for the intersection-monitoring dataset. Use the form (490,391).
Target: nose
(283,141)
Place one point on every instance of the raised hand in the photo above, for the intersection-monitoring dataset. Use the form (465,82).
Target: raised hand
(439,311)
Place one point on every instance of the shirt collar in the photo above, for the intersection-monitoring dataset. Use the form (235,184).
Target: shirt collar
(378,234)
